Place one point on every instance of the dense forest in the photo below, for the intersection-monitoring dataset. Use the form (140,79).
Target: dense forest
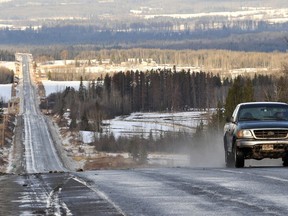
(162,90)
(132,91)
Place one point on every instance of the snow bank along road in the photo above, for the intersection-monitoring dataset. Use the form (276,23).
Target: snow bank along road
(157,191)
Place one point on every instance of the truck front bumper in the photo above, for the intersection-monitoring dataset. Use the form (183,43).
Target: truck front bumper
(251,143)
(259,149)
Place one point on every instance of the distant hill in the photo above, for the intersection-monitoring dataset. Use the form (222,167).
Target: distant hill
(250,25)
(43,11)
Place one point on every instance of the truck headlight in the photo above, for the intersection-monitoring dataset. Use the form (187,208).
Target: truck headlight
(244,134)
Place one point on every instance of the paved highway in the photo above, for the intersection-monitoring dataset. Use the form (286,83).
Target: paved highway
(191,191)
(157,191)
(40,154)
(253,190)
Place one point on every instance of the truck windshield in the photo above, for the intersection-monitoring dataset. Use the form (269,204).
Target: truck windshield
(262,112)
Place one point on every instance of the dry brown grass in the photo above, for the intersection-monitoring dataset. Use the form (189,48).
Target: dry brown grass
(109,162)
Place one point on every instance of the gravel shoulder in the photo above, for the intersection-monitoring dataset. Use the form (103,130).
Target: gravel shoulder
(68,162)
(16,162)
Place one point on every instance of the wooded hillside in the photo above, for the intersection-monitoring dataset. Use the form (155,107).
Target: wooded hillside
(161,90)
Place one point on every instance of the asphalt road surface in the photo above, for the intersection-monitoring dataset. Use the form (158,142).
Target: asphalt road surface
(46,187)
(40,154)
(157,191)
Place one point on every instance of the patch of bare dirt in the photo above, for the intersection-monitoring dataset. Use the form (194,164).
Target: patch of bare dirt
(86,155)
(109,162)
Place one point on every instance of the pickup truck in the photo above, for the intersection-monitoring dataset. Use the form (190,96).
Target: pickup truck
(256,130)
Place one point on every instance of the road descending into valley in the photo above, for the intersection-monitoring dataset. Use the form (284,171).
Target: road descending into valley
(46,187)
(40,154)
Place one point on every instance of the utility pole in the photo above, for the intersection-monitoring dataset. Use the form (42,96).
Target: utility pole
(2,130)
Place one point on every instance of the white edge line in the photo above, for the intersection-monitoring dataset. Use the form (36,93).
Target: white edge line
(101,194)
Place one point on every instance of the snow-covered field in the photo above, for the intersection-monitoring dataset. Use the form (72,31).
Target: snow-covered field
(146,124)
(5,92)
(58,86)
(141,124)
(272,15)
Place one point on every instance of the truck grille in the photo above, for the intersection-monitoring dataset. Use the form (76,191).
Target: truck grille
(272,134)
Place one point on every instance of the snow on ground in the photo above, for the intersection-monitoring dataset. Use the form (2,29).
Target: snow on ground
(58,86)
(87,136)
(144,124)
(5,157)
(8,64)
(5,92)
(154,123)
(277,15)
(136,124)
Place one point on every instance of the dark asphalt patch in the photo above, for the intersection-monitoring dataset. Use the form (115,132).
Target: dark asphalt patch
(51,194)
(9,190)
(83,201)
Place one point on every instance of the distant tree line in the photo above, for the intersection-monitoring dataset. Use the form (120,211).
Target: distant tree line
(6,55)
(222,61)
(263,39)
(6,75)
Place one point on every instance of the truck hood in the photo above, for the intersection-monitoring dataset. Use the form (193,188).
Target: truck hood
(262,124)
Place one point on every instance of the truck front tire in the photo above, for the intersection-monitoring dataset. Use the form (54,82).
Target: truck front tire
(239,160)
